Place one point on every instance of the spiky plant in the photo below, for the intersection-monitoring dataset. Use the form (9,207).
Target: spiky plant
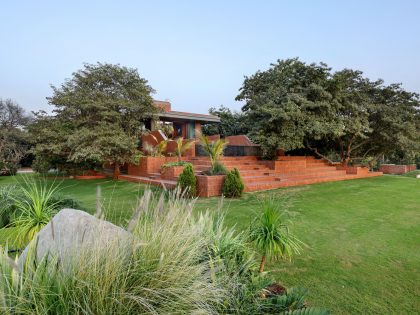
(36,203)
(214,149)
(156,150)
(271,236)
(181,147)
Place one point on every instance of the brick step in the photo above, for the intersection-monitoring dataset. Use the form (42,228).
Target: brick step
(267,185)
(256,179)
(312,176)
(311,170)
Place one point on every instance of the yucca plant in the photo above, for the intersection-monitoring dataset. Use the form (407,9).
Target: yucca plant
(271,236)
(181,147)
(35,202)
(214,149)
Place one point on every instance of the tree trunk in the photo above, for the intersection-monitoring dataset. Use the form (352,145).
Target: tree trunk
(262,264)
(117,171)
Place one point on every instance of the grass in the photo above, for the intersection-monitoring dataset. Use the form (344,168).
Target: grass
(363,237)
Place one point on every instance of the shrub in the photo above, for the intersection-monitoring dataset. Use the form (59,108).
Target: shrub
(41,165)
(6,205)
(187,181)
(177,163)
(217,169)
(233,185)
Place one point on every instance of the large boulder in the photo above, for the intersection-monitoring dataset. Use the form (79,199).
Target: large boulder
(70,232)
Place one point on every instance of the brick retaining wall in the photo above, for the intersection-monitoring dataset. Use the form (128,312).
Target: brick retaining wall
(397,169)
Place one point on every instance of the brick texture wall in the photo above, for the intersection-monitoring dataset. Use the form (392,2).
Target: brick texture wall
(396,169)
(208,186)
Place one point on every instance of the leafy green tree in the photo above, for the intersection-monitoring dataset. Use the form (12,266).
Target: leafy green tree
(296,105)
(271,235)
(287,103)
(232,123)
(13,136)
(101,108)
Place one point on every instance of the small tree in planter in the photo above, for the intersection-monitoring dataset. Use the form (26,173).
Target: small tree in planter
(215,150)
(181,147)
(271,235)
(187,181)
(233,185)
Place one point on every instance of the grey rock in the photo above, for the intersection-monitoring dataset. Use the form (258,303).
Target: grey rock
(70,232)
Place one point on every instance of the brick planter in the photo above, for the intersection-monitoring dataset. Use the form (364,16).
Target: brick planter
(397,169)
(148,165)
(208,186)
(172,173)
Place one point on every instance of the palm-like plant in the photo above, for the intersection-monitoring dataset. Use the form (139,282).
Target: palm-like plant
(213,148)
(271,235)
(181,147)
(156,150)
(36,204)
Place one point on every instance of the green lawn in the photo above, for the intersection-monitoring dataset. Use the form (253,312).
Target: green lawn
(363,237)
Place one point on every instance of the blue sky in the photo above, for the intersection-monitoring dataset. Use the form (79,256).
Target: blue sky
(196,53)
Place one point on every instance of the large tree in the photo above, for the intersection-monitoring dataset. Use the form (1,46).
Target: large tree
(101,109)
(13,137)
(297,105)
(288,103)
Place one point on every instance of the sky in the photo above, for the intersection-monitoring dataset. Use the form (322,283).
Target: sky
(196,53)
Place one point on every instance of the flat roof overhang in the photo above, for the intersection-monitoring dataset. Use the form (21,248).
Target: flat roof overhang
(181,116)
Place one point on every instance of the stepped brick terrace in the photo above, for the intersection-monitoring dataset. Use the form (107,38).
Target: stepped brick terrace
(260,175)
(240,153)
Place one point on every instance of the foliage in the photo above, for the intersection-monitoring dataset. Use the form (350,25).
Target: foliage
(295,105)
(187,181)
(271,235)
(155,150)
(214,149)
(6,204)
(98,113)
(14,143)
(216,169)
(178,263)
(177,163)
(182,146)
(233,185)
(231,123)
(35,207)
(41,165)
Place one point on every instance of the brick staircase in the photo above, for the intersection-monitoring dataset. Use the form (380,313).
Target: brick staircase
(263,175)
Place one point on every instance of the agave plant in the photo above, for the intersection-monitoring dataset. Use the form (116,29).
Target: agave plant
(181,147)
(215,150)
(271,235)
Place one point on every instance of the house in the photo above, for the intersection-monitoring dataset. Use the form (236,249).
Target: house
(184,124)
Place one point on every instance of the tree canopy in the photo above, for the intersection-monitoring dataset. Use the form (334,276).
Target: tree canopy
(13,137)
(296,105)
(97,116)
(232,123)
